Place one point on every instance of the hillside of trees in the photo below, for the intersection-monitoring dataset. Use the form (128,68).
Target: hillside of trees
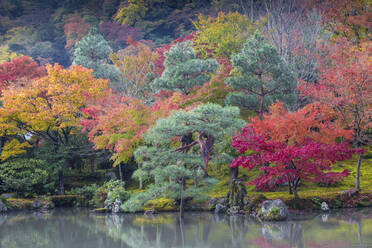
(179,100)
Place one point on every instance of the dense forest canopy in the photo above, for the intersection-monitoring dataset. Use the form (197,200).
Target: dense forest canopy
(176,94)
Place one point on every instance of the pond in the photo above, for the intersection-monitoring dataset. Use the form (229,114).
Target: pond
(67,228)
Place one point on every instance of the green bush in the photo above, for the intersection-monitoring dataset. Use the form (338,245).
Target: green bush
(88,191)
(27,177)
(105,195)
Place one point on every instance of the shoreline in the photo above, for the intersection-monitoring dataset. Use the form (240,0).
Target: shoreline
(310,203)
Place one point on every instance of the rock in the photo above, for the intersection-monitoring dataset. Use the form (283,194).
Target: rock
(49,205)
(274,210)
(7,195)
(222,201)
(365,201)
(220,208)
(150,212)
(254,203)
(324,206)
(212,202)
(110,175)
(37,204)
(116,207)
(237,193)
(350,192)
(324,217)
(234,210)
(3,207)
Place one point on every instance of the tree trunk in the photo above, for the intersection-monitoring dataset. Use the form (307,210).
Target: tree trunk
(92,159)
(181,207)
(290,188)
(141,183)
(295,193)
(234,173)
(261,110)
(357,177)
(120,173)
(183,182)
(61,188)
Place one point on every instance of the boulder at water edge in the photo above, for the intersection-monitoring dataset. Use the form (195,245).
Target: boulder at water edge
(37,204)
(116,206)
(273,210)
(3,207)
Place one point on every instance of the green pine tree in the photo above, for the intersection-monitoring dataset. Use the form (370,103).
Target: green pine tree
(260,77)
(93,52)
(183,70)
(168,166)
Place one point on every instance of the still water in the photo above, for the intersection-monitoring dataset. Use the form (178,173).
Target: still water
(80,229)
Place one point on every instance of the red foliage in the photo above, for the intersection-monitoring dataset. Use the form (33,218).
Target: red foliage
(347,18)
(159,63)
(117,123)
(306,161)
(19,71)
(296,146)
(75,29)
(119,34)
(345,85)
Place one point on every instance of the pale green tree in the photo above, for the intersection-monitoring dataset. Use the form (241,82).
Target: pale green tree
(260,77)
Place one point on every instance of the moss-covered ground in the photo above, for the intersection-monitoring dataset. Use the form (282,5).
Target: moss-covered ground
(307,189)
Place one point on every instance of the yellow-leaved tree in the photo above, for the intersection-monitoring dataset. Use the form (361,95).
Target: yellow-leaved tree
(48,108)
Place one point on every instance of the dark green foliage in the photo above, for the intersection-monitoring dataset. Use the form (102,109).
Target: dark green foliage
(181,173)
(260,77)
(183,70)
(88,191)
(27,176)
(106,195)
(93,52)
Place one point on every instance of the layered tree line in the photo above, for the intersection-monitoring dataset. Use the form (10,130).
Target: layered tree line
(279,87)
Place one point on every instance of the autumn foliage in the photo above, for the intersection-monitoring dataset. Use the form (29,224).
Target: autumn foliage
(117,123)
(49,107)
(19,71)
(294,147)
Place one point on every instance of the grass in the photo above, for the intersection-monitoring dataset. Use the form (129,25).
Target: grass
(307,189)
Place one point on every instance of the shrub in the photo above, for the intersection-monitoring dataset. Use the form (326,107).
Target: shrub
(106,195)
(88,191)
(331,179)
(27,177)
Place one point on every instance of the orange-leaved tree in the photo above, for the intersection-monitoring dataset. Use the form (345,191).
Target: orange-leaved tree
(48,108)
(135,64)
(345,85)
(117,123)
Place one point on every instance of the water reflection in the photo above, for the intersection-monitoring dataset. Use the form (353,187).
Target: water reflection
(80,229)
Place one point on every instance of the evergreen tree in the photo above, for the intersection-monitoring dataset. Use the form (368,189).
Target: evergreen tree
(169,166)
(183,70)
(93,52)
(260,77)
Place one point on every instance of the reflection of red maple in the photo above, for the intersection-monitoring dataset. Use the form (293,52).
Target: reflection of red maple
(261,242)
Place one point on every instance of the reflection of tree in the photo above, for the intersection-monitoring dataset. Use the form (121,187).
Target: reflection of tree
(58,230)
(82,230)
(238,230)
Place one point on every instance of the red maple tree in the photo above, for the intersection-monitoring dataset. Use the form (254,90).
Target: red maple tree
(345,86)
(296,147)
(19,71)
